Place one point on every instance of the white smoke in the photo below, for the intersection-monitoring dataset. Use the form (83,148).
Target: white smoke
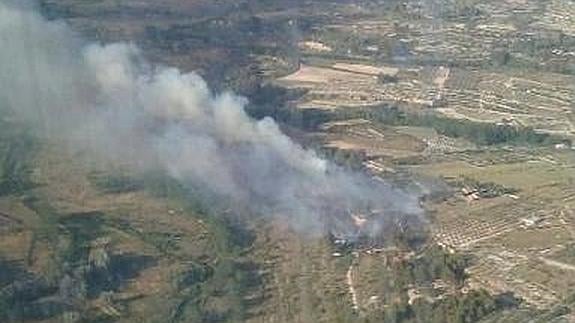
(107,99)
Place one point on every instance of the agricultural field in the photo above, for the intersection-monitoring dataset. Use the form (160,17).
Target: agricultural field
(468,105)
(506,204)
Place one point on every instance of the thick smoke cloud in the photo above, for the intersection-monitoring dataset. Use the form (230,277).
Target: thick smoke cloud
(108,100)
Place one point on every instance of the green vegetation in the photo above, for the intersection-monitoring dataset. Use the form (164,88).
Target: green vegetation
(449,303)
(273,101)
(351,159)
(114,183)
(241,45)
(463,308)
(484,189)
(429,288)
(46,231)
(16,150)
(481,133)
(435,263)
(215,290)
(476,132)
(82,229)
(206,290)
(210,289)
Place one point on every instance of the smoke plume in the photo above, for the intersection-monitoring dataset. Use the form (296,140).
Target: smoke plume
(108,100)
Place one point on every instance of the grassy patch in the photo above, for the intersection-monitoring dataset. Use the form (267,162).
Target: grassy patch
(115,183)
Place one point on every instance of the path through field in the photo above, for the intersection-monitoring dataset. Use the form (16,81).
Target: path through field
(352,290)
